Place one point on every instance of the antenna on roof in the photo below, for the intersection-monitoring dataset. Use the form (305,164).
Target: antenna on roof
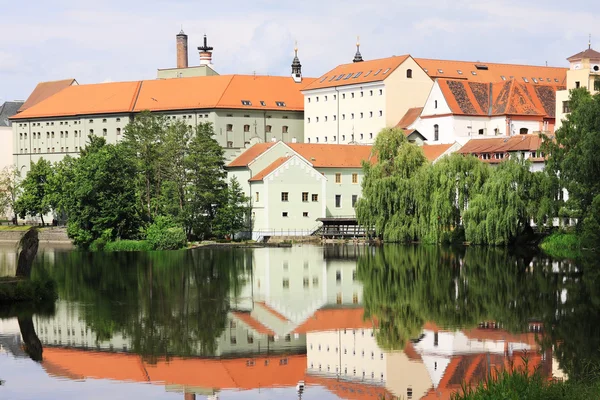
(590,42)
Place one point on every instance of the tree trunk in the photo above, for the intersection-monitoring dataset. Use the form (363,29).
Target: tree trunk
(42,217)
(29,246)
(32,344)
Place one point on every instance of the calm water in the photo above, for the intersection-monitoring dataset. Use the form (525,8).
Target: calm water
(251,324)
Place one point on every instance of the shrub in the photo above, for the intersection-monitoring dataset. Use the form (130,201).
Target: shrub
(562,245)
(165,234)
(128,245)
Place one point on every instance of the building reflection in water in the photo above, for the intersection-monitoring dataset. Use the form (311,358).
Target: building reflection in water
(299,317)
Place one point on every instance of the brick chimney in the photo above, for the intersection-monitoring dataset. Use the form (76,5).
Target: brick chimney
(182,50)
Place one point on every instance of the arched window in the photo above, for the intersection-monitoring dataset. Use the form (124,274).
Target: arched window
(435,104)
(246,128)
(436,132)
(523,131)
(409,73)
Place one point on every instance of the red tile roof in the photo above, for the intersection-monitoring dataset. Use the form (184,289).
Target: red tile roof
(221,91)
(503,145)
(507,98)
(357,73)
(272,167)
(349,390)
(409,118)
(247,319)
(43,90)
(249,155)
(492,72)
(434,151)
(333,155)
(587,53)
(334,319)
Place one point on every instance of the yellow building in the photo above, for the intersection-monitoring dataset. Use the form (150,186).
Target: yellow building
(584,72)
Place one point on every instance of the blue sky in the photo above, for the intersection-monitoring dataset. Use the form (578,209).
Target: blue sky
(111,40)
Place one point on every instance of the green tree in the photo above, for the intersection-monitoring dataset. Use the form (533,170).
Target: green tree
(389,200)
(101,199)
(10,189)
(35,199)
(573,154)
(233,215)
(206,189)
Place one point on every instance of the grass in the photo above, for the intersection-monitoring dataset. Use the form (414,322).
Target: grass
(128,245)
(562,245)
(519,385)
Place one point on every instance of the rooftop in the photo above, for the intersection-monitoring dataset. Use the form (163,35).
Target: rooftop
(43,90)
(526,143)
(203,92)
(410,117)
(7,110)
(587,53)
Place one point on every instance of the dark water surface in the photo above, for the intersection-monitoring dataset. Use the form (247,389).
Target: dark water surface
(350,322)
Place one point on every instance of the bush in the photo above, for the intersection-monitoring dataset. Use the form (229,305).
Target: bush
(591,226)
(562,245)
(14,289)
(165,234)
(127,245)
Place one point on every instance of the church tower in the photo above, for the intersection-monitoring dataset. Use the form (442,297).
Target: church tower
(357,56)
(296,66)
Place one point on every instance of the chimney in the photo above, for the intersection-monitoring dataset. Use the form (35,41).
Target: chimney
(205,54)
(182,50)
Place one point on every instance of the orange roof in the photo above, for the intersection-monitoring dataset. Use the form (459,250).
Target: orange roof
(43,90)
(357,73)
(507,98)
(349,390)
(220,91)
(492,72)
(247,319)
(334,319)
(434,151)
(502,145)
(251,154)
(272,167)
(333,155)
(410,117)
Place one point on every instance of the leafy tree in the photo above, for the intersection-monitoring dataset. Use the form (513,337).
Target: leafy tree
(573,154)
(165,234)
(233,214)
(101,200)
(35,199)
(9,190)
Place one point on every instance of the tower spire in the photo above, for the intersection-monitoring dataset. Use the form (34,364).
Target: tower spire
(357,56)
(296,66)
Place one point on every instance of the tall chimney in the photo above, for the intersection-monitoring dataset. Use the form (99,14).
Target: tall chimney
(182,50)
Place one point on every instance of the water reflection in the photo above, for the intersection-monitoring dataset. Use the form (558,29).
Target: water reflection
(352,322)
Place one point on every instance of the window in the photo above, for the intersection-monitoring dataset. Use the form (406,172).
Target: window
(577,84)
(481,131)
(380,113)
(317,99)
(326,118)
(268,128)
(436,132)
(361,94)
(435,340)
(355,178)
(473,73)
(246,128)
(304,196)
(284,196)
(229,128)
(338,200)
(305,214)
(523,131)
(338,298)
(597,85)
(257,197)
(525,80)
(334,96)
(230,144)
(338,177)
(343,138)
(361,136)
(352,94)
(343,116)
(315,281)
(246,103)
(286,283)
(104,132)
(305,282)
(409,73)
(280,104)
(284,129)
(325,98)
(381,92)
(118,132)
(343,96)
(370,114)
(91,121)
(361,115)
(352,116)
(354,200)
(503,77)
(315,197)
(566,108)
(316,119)
(91,132)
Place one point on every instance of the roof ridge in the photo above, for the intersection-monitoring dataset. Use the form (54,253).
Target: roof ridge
(224,90)
(490,63)
(136,96)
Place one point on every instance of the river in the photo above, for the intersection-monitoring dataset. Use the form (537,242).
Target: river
(350,322)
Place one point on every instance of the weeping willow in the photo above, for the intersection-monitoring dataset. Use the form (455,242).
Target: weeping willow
(406,198)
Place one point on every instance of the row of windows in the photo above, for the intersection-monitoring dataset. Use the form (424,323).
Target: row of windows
(353,350)
(248,116)
(51,123)
(268,128)
(286,214)
(325,118)
(346,372)
(285,196)
(343,138)
(354,75)
(48,150)
(362,94)
(338,178)
(63,134)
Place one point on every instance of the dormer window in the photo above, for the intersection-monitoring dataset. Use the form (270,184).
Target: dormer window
(503,77)
(526,80)
(459,71)
(332,78)
(262,103)
(368,73)
(386,71)
(280,104)
(440,71)
(473,73)
(357,75)
(246,103)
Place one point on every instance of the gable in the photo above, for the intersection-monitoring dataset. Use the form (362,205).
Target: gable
(436,94)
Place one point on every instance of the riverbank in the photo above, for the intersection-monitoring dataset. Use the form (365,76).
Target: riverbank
(10,234)
(523,386)
(562,245)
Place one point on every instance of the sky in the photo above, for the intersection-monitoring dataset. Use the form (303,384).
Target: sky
(120,40)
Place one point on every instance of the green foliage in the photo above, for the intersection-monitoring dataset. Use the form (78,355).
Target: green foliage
(562,245)
(98,196)
(128,245)
(26,290)
(35,199)
(165,234)
(591,225)
(521,385)
(233,215)
(9,189)
(573,155)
